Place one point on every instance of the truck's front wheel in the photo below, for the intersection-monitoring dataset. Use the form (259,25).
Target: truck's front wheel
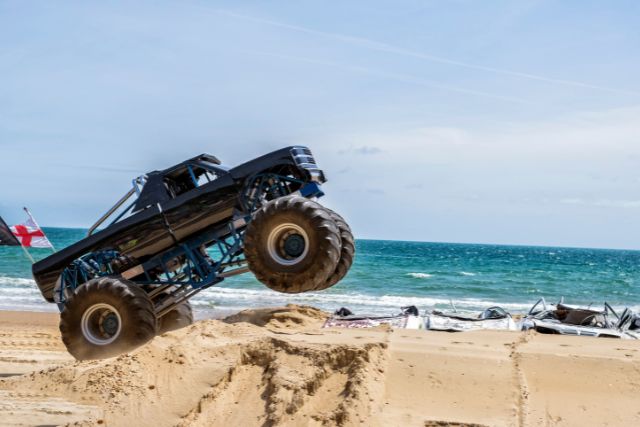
(106,317)
(292,245)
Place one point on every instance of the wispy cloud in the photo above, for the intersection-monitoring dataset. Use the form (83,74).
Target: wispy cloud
(602,203)
(404,78)
(367,150)
(397,50)
(414,186)
(363,150)
(103,168)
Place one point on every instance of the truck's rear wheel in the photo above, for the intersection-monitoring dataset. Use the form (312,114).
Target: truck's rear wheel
(177,318)
(292,245)
(347,252)
(106,317)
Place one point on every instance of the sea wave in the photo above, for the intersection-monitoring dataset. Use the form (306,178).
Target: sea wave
(466,273)
(31,298)
(7,280)
(420,275)
(224,297)
(22,293)
(18,290)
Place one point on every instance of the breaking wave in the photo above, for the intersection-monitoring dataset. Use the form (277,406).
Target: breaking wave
(420,275)
(6,280)
(222,297)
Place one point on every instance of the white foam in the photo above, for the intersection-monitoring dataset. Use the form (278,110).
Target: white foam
(21,293)
(19,300)
(420,275)
(5,280)
(18,291)
(224,297)
(466,273)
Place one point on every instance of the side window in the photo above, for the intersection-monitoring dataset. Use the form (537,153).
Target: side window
(179,185)
(184,181)
(206,177)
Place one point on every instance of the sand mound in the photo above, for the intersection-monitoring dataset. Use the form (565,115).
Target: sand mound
(280,383)
(217,373)
(289,317)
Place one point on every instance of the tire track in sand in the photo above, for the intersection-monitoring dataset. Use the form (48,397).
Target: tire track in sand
(520,379)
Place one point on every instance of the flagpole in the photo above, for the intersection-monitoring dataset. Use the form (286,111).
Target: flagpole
(34,221)
(27,253)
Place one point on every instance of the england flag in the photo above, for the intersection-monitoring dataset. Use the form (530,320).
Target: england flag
(30,235)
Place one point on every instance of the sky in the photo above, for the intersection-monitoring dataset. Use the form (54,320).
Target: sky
(509,122)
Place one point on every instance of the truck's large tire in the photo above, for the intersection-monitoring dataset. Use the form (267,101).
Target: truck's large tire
(106,317)
(292,245)
(177,318)
(347,252)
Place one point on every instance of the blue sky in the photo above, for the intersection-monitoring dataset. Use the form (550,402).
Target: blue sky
(461,121)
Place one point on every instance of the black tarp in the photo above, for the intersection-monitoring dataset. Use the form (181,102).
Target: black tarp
(6,236)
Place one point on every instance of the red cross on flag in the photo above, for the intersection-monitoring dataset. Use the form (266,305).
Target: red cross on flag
(30,235)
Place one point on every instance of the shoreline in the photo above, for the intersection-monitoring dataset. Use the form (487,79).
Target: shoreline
(277,365)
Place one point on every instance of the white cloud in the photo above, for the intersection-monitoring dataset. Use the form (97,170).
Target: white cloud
(363,150)
(594,137)
(602,203)
(488,184)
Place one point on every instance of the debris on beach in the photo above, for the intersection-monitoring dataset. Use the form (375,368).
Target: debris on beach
(566,320)
(409,318)
(344,318)
(495,318)
(555,319)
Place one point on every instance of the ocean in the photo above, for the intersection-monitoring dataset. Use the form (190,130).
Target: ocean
(387,275)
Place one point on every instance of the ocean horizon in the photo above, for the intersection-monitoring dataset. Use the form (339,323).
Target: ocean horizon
(388,275)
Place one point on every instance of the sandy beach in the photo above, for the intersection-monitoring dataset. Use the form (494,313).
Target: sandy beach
(278,367)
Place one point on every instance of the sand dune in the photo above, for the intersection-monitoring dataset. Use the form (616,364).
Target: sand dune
(277,367)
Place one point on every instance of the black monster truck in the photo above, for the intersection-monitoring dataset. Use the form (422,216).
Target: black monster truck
(186,228)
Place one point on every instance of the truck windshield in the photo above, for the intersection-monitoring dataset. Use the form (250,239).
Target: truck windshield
(191,176)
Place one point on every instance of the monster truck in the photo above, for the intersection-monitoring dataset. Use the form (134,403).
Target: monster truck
(184,229)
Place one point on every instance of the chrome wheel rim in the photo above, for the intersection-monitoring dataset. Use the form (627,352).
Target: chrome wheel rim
(288,244)
(101,324)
